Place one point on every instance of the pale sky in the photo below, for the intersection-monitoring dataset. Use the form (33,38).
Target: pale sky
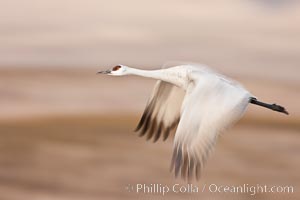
(86,33)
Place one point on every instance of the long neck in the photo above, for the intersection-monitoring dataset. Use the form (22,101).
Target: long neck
(162,74)
(156,74)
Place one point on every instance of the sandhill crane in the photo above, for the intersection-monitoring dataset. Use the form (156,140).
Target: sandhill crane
(197,101)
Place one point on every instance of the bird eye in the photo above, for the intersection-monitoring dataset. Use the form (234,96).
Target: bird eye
(116,68)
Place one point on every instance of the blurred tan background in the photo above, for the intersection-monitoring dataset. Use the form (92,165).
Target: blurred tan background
(67,133)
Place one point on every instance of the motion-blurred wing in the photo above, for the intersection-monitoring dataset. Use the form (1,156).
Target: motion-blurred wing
(162,112)
(208,108)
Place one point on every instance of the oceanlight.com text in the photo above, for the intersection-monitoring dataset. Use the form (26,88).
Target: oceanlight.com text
(162,189)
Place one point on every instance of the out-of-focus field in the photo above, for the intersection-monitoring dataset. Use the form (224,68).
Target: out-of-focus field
(69,135)
(96,157)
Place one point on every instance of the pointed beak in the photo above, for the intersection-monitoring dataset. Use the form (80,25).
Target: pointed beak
(104,72)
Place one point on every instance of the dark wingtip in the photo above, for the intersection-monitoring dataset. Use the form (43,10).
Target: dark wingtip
(137,128)
(198,171)
(158,132)
(140,124)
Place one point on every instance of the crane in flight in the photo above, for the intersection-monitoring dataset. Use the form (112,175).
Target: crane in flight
(195,101)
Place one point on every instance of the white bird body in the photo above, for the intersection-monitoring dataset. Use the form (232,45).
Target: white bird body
(199,102)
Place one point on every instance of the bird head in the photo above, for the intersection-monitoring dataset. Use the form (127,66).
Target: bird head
(118,70)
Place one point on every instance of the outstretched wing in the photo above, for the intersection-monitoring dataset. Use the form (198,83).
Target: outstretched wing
(209,107)
(162,112)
